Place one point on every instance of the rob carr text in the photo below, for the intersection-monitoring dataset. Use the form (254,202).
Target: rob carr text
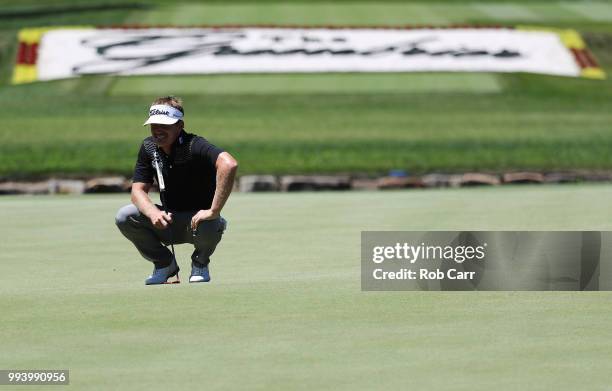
(413,253)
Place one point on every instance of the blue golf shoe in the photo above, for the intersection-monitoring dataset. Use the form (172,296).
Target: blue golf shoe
(199,273)
(162,274)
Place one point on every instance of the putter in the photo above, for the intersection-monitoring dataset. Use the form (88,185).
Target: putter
(162,190)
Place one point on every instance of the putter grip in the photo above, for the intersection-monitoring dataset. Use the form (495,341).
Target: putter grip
(160,176)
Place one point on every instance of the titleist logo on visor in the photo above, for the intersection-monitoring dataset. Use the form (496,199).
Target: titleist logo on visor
(165,110)
(155,112)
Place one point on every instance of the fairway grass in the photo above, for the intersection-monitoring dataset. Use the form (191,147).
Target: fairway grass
(284,309)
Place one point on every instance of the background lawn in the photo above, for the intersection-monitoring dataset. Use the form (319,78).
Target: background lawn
(349,123)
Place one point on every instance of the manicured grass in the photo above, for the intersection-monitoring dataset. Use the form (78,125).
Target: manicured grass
(16,15)
(323,122)
(325,83)
(360,13)
(285,310)
(529,129)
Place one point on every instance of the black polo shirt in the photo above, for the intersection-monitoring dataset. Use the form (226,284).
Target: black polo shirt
(189,171)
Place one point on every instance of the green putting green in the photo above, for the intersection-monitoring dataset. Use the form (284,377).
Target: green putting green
(284,309)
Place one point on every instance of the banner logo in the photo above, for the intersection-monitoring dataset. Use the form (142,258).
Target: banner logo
(50,54)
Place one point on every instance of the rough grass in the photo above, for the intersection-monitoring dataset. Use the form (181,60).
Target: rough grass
(539,123)
(321,123)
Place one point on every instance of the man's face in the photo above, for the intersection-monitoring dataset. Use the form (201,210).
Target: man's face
(166,135)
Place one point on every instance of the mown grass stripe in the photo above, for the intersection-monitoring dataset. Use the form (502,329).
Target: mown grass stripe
(601,12)
(358,13)
(553,13)
(507,11)
(309,83)
(421,13)
(393,13)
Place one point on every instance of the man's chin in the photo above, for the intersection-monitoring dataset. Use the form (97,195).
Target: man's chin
(160,143)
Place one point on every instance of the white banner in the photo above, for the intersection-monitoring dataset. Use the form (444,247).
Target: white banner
(65,53)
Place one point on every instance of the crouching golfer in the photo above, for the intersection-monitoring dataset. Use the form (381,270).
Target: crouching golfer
(198,180)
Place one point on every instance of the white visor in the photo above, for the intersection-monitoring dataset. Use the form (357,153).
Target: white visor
(163,114)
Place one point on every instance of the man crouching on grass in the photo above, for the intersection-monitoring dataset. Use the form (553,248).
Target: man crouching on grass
(199,178)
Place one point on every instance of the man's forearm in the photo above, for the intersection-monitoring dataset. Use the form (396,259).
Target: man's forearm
(225,184)
(142,201)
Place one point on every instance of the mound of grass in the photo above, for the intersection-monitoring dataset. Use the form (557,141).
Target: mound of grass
(537,123)
(323,123)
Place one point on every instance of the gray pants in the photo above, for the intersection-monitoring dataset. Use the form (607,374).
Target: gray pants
(151,242)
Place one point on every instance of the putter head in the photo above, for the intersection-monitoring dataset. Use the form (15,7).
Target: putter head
(173,280)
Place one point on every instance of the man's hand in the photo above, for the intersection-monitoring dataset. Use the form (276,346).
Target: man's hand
(142,201)
(202,215)
(160,219)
